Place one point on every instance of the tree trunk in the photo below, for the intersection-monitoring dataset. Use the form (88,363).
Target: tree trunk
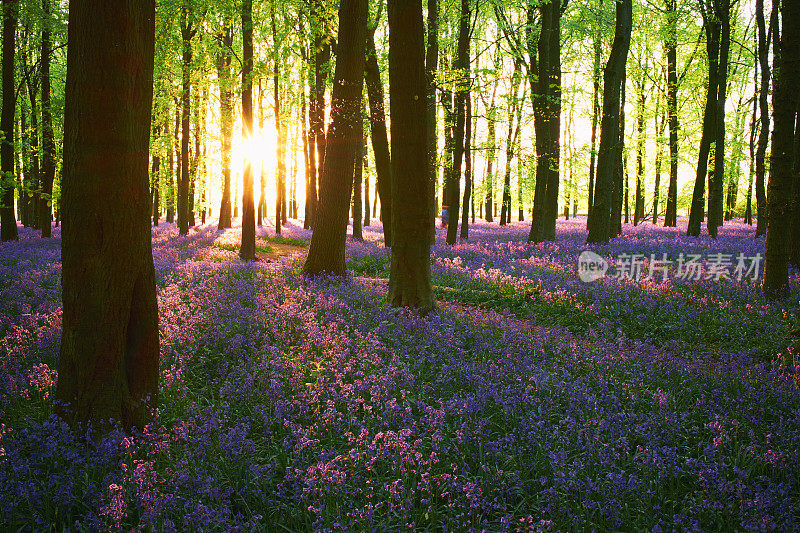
(763,135)
(187,32)
(671,45)
(156,207)
(262,200)
(36,204)
(169,195)
(461,67)
(467,170)
(48,143)
(638,207)
(597,47)
(619,189)
(358,177)
(108,365)
(717,179)
(326,252)
(280,128)
(712,27)
(223,64)
(379,137)
(660,123)
(782,179)
(247,252)
(410,276)
(546,98)
(431,66)
(600,216)
(491,125)
(8,222)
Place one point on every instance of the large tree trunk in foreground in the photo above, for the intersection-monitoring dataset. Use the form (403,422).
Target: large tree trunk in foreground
(108,366)
(782,178)
(8,222)
(326,252)
(248,249)
(600,220)
(410,274)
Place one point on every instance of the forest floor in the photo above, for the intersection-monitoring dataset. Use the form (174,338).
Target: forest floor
(529,401)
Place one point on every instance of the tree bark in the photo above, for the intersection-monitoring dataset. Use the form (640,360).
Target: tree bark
(48,143)
(600,218)
(763,135)
(467,170)
(597,47)
(247,252)
(546,98)
(671,45)
(326,252)
(358,177)
(8,222)
(782,177)
(410,277)
(188,30)
(108,365)
(717,179)
(461,68)
(431,66)
(379,137)
(223,64)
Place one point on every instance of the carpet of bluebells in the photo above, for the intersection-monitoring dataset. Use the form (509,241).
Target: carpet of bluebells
(529,401)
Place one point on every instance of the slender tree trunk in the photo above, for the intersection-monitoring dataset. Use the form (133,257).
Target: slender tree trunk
(280,128)
(156,192)
(247,252)
(37,205)
(763,135)
(187,32)
(671,44)
(709,125)
(467,170)
(8,222)
(660,123)
(262,182)
(491,115)
(108,365)
(358,177)
(226,121)
(461,66)
(638,208)
(600,216)
(169,195)
(379,137)
(326,253)
(410,276)
(717,179)
(783,178)
(595,109)
(365,164)
(619,190)
(48,143)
